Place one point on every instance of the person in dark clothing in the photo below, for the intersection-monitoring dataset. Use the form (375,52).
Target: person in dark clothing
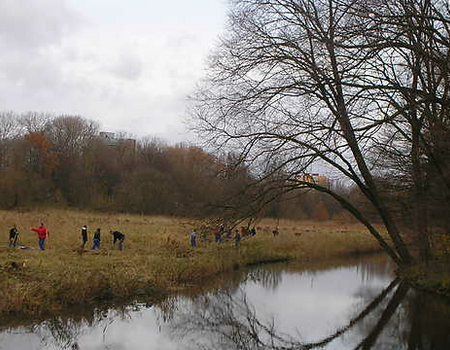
(237,238)
(84,236)
(193,237)
(253,232)
(13,234)
(96,239)
(118,236)
(218,236)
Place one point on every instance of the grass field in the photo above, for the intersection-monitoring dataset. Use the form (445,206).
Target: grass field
(156,259)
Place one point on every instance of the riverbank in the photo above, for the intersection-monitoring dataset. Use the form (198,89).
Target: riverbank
(433,277)
(157,259)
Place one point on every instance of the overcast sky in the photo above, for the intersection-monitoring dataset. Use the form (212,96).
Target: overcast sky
(126,64)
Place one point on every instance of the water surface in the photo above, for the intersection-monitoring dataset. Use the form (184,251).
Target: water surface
(348,304)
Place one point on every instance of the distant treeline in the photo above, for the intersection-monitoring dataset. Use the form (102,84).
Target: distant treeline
(61,161)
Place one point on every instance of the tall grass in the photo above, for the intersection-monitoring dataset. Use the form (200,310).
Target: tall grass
(156,260)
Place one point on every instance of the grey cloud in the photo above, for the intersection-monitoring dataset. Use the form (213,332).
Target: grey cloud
(32,72)
(31,36)
(33,24)
(129,67)
(177,41)
(49,63)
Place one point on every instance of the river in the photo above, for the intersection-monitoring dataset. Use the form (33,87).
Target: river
(348,304)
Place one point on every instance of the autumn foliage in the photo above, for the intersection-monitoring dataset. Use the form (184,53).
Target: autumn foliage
(41,153)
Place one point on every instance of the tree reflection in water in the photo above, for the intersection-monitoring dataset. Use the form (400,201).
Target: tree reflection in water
(390,320)
(64,332)
(394,318)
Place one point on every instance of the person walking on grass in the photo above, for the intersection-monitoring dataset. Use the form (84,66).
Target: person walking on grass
(193,237)
(43,233)
(237,238)
(219,237)
(96,239)
(13,235)
(84,236)
(118,236)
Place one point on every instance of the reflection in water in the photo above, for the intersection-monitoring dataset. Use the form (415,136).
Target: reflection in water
(347,306)
(268,279)
(63,332)
(225,321)
(228,321)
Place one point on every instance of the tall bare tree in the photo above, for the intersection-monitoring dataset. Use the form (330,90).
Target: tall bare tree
(411,42)
(321,81)
(9,130)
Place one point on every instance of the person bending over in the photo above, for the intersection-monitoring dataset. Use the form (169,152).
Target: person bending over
(118,236)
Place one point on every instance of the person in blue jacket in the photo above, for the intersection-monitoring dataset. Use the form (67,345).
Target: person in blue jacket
(96,239)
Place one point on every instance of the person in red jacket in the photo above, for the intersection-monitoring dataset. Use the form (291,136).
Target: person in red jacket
(42,235)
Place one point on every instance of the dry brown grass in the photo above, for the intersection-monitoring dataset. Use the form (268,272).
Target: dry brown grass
(156,259)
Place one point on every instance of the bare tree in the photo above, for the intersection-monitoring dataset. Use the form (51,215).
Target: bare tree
(309,81)
(419,78)
(34,121)
(9,131)
(71,134)
(70,137)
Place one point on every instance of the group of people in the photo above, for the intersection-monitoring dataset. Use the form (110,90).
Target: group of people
(43,233)
(218,236)
(96,239)
(119,237)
